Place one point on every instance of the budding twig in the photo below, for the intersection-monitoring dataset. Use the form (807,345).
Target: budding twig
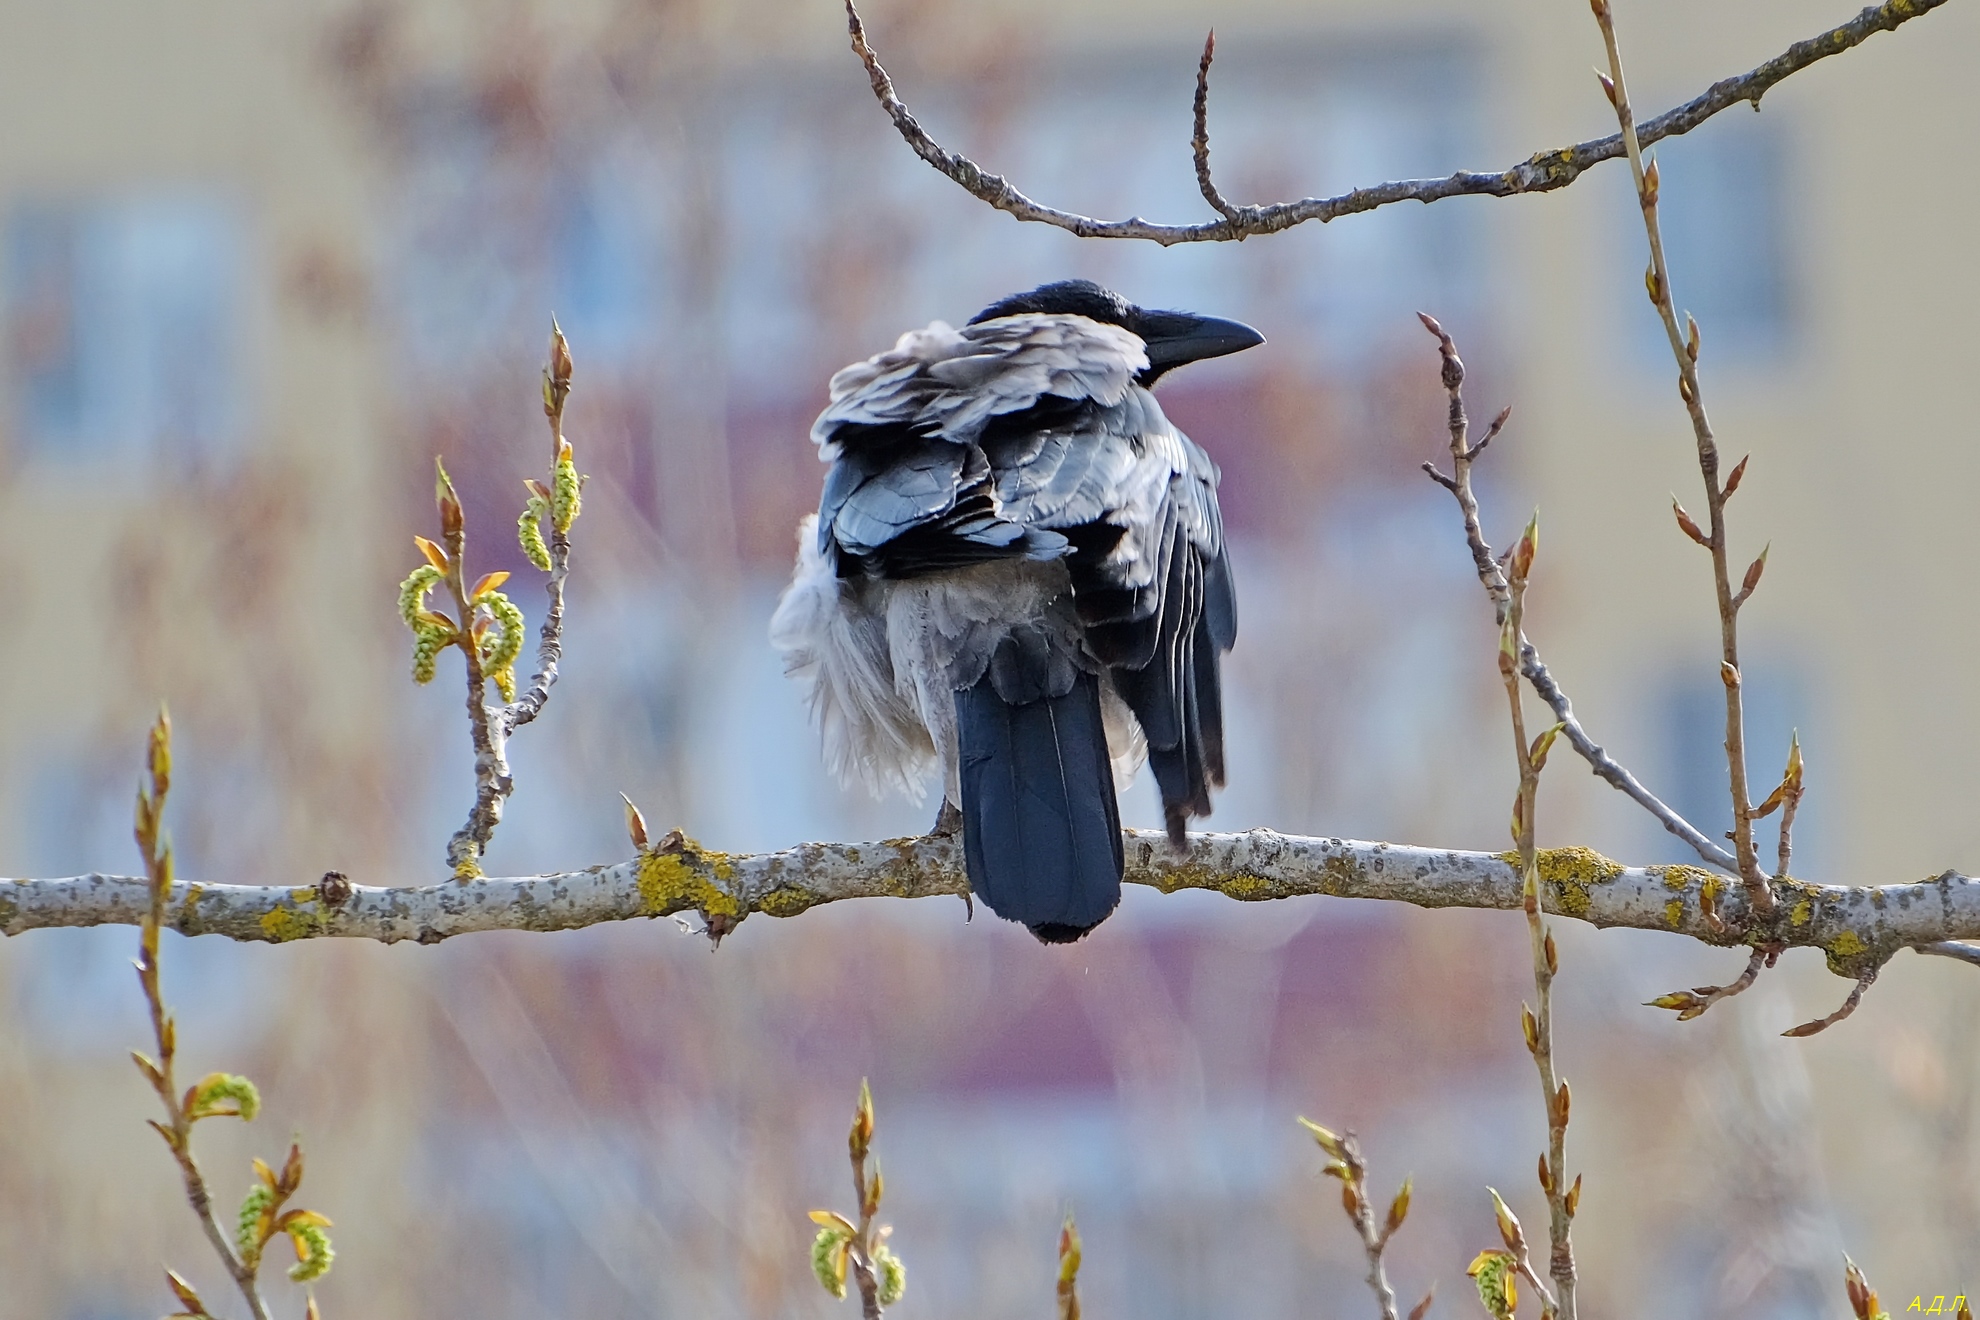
(489,634)
(841,1243)
(1538,1024)
(216,1095)
(177,1131)
(1685,348)
(1346,1163)
(1493,578)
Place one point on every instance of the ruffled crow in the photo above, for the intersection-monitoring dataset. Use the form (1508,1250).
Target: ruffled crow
(1017,574)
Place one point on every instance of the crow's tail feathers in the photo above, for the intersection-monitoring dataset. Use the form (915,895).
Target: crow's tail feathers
(1041,829)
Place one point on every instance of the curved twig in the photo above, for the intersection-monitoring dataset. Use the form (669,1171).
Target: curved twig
(1542,172)
(1199,142)
(1863,982)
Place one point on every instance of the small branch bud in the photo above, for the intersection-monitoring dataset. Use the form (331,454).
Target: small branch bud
(1069,1254)
(1329,1140)
(1754,570)
(860,1140)
(1688,526)
(635,824)
(1546,1175)
(1737,475)
(451,521)
(1608,87)
(1692,341)
(1525,549)
(1398,1209)
(1530,1026)
(1509,1229)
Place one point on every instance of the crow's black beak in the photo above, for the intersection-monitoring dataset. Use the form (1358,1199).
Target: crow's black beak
(1174,338)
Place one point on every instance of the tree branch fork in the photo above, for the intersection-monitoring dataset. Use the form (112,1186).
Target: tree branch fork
(1858,928)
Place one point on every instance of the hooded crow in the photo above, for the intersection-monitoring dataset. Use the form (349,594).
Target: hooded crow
(1017,575)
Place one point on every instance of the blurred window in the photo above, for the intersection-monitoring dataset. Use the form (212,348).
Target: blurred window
(71,990)
(1694,781)
(123,331)
(1724,206)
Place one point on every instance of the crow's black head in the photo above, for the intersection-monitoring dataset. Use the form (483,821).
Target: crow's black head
(1173,338)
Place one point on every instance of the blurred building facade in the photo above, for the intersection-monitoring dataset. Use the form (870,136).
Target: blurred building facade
(259,264)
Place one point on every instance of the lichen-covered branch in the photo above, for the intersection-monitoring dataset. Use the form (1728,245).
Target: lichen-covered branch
(1857,927)
(1542,172)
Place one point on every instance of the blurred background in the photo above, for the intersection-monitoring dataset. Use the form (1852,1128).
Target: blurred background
(259,263)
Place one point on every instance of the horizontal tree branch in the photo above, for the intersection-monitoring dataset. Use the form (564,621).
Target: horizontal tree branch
(1858,928)
(1542,172)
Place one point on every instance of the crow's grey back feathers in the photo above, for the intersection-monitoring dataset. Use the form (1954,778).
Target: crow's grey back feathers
(1024,441)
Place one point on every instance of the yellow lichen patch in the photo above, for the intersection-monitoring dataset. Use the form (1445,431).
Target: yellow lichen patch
(283,924)
(1674,913)
(1246,887)
(1801,912)
(672,882)
(1848,955)
(1681,877)
(1570,872)
(786,901)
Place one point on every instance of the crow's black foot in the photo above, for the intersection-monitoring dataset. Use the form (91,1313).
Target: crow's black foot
(948,825)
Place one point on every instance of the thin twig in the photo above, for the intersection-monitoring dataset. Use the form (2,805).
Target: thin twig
(1493,578)
(550,644)
(1863,983)
(178,1132)
(1685,348)
(1200,140)
(1538,1024)
(1543,172)
(1346,1163)
(1514,1236)
(1692,1003)
(1964,950)
(492,780)
(491,726)
(860,1247)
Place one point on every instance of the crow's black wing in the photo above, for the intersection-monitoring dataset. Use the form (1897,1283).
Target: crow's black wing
(1136,500)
